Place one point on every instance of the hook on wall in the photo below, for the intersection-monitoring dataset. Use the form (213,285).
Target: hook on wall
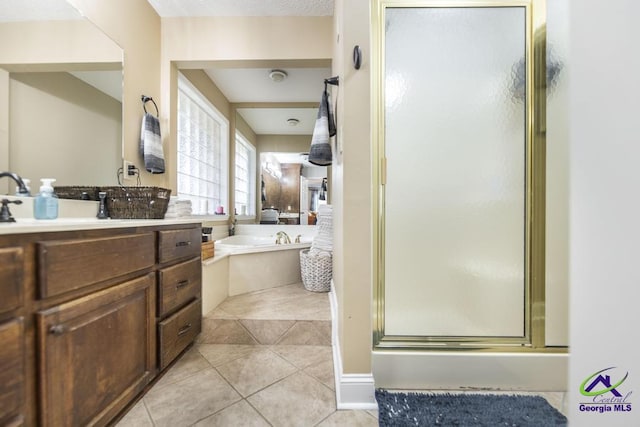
(334,81)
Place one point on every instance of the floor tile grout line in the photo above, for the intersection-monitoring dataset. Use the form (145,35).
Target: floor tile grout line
(268,320)
(259,413)
(277,342)
(144,404)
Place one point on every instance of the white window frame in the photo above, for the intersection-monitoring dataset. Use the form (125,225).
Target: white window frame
(250,182)
(203,199)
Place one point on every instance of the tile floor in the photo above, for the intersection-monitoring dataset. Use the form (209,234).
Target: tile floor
(262,359)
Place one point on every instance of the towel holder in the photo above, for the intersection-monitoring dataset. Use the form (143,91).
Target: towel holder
(146,99)
(334,81)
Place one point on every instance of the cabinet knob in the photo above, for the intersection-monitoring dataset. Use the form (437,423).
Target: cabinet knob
(57,330)
(181,284)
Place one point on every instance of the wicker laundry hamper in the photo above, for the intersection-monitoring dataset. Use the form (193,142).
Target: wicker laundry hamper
(316,270)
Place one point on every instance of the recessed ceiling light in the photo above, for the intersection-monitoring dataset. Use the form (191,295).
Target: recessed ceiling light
(293,122)
(278,75)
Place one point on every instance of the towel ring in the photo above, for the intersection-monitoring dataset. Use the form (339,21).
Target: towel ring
(146,99)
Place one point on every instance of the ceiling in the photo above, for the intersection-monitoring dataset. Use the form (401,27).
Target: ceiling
(253,85)
(37,10)
(172,8)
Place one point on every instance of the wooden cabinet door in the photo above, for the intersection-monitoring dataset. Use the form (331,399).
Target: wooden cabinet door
(97,353)
(10,279)
(12,374)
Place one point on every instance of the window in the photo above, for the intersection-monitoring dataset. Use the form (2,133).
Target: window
(245,189)
(203,135)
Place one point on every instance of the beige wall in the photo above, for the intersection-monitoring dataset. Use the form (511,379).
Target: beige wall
(4,129)
(135,27)
(62,128)
(243,127)
(55,45)
(283,143)
(209,90)
(351,187)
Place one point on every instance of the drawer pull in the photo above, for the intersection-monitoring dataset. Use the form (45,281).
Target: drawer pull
(183,243)
(181,284)
(57,330)
(184,329)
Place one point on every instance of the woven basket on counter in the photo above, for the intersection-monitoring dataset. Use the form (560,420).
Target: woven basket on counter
(316,270)
(77,192)
(137,202)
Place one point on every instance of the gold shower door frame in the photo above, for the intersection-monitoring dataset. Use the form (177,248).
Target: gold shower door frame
(535,157)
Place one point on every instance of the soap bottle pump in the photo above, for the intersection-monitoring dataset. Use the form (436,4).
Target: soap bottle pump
(45,204)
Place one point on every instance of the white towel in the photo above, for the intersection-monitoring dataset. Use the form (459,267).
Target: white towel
(151,144)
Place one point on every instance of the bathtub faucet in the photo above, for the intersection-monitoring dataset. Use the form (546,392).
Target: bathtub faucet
(280,236)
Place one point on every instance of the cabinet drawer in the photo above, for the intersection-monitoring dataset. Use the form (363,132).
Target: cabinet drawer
(10,279)
(12,374)
(178,331)
(179,284)
(176,244)
(67,265)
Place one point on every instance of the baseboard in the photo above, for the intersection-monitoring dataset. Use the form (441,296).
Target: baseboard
(353,391)
(469,371)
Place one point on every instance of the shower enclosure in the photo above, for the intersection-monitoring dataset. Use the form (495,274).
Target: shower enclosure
(460,175)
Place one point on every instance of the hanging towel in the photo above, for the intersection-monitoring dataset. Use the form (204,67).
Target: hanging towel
(151,144)
(325,128)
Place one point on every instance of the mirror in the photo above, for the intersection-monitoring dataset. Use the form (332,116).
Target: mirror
(275,109)
(291,187)
(61,95)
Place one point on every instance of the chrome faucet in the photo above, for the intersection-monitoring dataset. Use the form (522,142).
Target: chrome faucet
(280,236)
(22,188)
(298,238)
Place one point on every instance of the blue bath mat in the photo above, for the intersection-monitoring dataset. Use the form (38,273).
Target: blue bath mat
(491,410)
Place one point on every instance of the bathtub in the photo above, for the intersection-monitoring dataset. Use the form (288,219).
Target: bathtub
(248,243)
(256,262)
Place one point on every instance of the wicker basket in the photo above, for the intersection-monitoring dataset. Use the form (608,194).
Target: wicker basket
(137,202)
(316,271)
(77,192)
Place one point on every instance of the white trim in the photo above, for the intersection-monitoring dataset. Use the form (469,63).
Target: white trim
(353,391)
(240,139)
(188,90)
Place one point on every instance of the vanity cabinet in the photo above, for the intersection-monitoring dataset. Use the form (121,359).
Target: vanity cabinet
(12,351)
(179,292)
(97,353)
(12,374)
(89,319)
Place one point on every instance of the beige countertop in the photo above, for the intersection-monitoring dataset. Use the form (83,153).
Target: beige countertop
(75,215)
(28,225)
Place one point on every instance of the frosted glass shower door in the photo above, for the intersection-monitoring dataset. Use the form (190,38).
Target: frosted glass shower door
(455,195)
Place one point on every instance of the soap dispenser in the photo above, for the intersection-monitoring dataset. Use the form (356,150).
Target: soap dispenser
(45,204)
